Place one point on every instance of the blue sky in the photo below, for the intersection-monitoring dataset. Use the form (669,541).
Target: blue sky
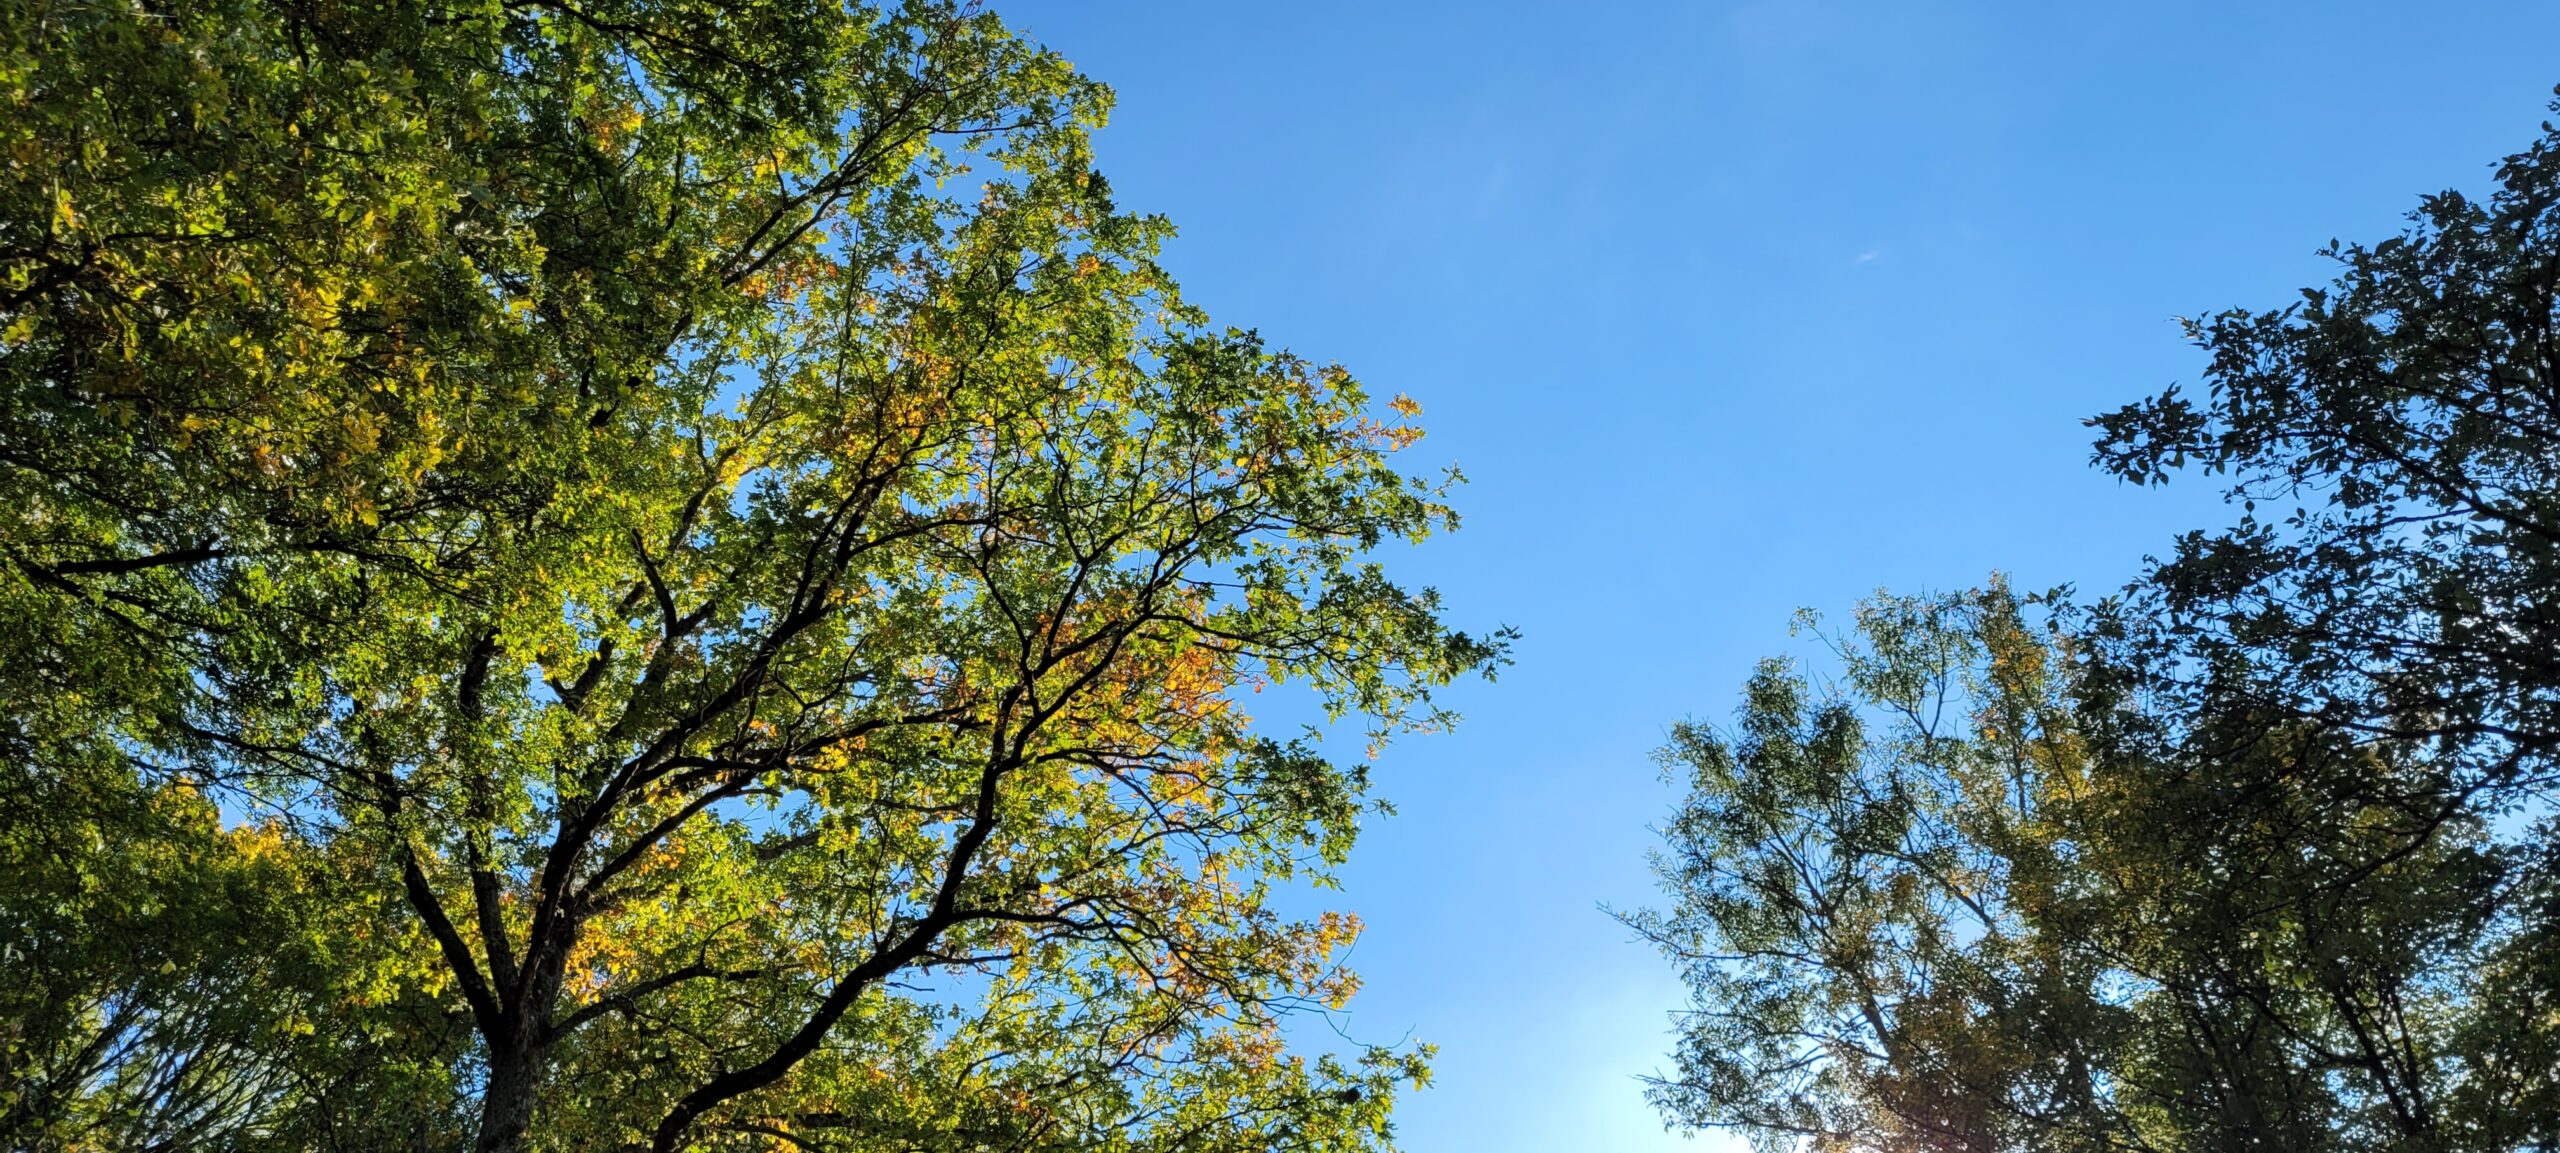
(1726,309)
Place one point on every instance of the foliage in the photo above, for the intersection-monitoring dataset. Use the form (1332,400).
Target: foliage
(1864,882)
(1933,909)
(709,568)
(164,969)
(2259,855)
(2402,428)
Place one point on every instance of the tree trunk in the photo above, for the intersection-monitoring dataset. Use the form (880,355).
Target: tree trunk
(506,1106)
(521,1052)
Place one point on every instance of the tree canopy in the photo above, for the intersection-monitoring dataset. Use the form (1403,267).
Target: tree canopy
(656,574)
(2259,854)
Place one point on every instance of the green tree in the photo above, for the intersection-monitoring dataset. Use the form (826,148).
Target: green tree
(1941,906)
(1865,887)
(2393,441)
(2259,855)
(704,523)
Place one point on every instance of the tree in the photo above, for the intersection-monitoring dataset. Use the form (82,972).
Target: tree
(2258,855)
(710,510)
(1942,907)
(2402,426)
(1863,887)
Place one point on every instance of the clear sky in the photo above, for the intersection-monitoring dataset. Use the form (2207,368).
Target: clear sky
(1726,309)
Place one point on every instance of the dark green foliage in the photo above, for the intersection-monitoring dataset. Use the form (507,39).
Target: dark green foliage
(2393,441)
(2260,855)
